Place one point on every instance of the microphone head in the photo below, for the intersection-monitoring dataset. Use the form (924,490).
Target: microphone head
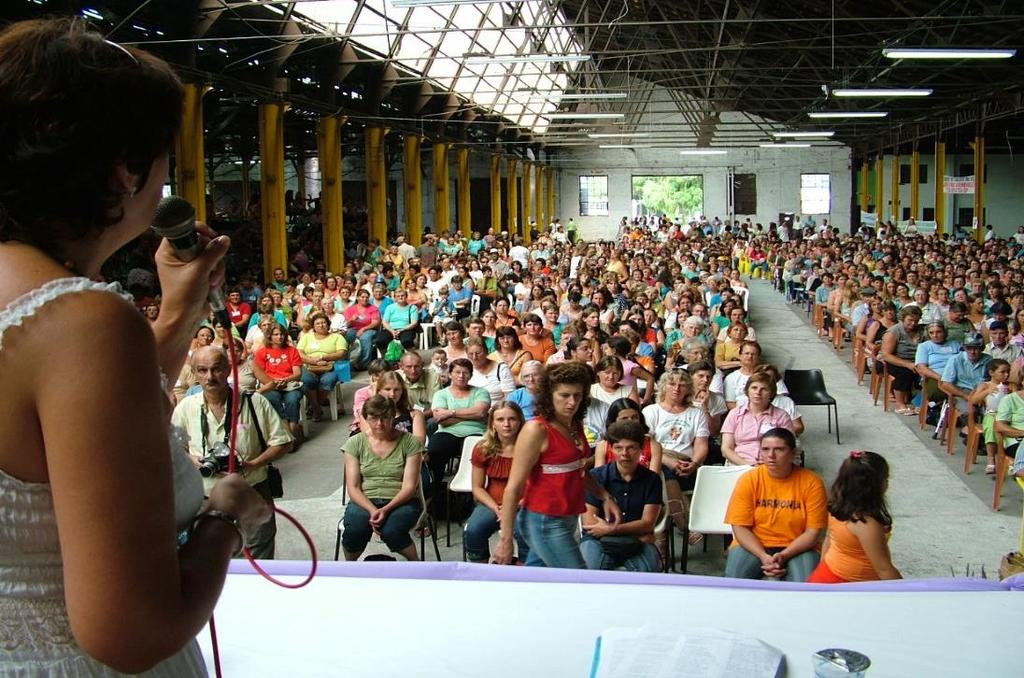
(174,218)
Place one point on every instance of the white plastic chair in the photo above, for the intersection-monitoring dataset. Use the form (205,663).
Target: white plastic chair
(711,495)
(744,294)
(462,481)
(426,335)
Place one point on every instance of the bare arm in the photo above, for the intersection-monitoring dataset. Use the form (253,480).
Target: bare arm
(532,442)
(419,427)
(410,483)
(873,540)
(598,527)
(600,454)
(979,394)
(807,540)
(656,455)
(127,517)
(480,493)
(729,451)
(354,484)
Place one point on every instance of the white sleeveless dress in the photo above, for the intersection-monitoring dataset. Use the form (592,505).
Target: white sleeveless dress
(35,634)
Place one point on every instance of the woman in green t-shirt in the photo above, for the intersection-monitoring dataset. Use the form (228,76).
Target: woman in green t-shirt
(460,410)
(382,475)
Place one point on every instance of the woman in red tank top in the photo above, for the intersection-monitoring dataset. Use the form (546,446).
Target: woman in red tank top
(549,474)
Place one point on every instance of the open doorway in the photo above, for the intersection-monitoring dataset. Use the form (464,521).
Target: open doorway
(680,197)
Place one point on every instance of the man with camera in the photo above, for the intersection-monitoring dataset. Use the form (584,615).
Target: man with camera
(262,437)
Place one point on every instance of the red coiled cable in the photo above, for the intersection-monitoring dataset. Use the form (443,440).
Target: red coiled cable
(236,408)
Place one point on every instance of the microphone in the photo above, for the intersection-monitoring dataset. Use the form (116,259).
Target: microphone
(175,219)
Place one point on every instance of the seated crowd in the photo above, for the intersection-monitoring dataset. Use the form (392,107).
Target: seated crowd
(595,379)
(938,322)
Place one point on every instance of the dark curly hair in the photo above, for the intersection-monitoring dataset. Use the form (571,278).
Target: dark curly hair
(73,107)
(573,373)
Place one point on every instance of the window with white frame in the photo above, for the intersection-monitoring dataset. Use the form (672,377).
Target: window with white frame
(593,196)
(815,194)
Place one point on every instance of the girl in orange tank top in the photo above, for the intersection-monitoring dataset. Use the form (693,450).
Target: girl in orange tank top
(859,524)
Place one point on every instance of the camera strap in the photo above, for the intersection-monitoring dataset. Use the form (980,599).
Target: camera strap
(204,424)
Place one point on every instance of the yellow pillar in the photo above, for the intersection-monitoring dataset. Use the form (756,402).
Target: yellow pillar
(538,192)
(527,196)
(879,188)
(551,194)
(275,241)
(979,187)
(895,187)
(376,184)
(462,191)
(413,189)
(864,196)
(328,143)
(915,184)
(190,171)
(513,198)
(496,193)
(940,187)
(442,208)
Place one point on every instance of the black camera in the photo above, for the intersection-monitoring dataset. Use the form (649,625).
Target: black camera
(216,461)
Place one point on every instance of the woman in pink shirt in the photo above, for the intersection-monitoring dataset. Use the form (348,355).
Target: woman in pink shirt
(744,425)
(363,320)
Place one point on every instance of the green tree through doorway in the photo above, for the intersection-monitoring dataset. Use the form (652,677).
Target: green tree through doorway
(677,196)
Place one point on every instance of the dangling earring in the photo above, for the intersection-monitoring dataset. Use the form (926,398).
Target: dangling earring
(132,191)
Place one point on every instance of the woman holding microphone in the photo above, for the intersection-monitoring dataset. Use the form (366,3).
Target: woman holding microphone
(99,490)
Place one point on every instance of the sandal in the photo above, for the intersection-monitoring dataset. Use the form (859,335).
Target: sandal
(907,411)
(990,469)
(695,538)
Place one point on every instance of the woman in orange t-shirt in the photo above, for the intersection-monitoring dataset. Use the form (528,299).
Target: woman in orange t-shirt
(492,462)
(778,512)
(859,524)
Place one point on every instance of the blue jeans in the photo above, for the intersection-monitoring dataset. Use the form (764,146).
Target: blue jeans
(324,381)
(481,525)
(554,541)
(394,531)
(742,564)
(286,403)
(647,560)
(365,345)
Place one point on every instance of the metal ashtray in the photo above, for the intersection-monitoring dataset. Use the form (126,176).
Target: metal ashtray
(839,663)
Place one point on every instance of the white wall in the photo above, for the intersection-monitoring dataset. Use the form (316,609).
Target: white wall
(778,181)
(1004,199)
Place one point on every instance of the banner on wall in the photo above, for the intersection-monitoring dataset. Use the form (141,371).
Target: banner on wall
(922,227)
(958,185)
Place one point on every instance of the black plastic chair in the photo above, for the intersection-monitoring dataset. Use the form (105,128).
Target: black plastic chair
(807,387)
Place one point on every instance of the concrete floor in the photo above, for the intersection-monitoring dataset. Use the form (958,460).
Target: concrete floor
(942,521)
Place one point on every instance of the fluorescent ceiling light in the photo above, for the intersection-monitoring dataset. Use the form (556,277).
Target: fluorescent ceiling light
(847,114)
(593,95)
(789,145)
(703,151)
(947,53)
(594,116)
(484,60)
(618,135)
(881,92)
(802,135)
(555,96)
(624,146)
(427,3)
